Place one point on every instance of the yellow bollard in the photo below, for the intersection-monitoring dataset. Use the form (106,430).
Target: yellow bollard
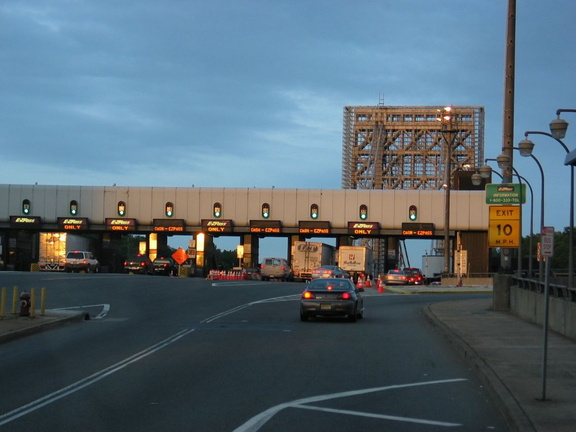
(43,302)
(32,302)
(3,303)
(15,300)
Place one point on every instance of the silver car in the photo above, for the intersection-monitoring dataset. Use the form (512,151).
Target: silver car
(276,268)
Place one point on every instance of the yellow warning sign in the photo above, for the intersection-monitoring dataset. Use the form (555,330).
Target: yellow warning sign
(504,230)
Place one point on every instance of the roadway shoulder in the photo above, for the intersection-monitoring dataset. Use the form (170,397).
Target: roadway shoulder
(14,327)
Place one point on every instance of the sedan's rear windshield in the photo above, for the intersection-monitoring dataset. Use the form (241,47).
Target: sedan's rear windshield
(324,284)
(76,255)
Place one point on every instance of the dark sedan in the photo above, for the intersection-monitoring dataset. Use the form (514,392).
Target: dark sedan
(165,266)
(332,297)
(138,264)
(414,276)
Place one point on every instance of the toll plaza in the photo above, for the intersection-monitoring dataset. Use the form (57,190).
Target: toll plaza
(100,217)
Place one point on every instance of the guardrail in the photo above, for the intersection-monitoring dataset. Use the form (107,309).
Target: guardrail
(556,290)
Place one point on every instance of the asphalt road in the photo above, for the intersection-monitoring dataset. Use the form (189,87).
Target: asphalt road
(184,354)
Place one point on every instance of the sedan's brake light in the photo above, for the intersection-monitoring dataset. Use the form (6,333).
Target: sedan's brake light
(308,295)
(345,296)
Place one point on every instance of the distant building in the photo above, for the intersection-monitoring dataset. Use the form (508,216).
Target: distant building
(402,147)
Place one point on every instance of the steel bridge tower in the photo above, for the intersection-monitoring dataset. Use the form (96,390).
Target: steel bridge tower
(402,147)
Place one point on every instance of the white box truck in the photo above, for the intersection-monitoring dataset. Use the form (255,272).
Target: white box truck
(356,260)
(53,248)
(432,267)
(306,256)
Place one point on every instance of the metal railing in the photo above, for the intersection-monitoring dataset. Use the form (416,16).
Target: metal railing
(559,291)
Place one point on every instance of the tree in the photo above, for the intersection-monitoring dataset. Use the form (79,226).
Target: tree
(226,259)
(561,249)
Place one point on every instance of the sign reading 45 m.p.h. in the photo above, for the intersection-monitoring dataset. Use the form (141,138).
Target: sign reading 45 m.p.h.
(504,228)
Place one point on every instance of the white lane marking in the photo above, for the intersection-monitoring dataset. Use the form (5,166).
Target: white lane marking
(105,309)
(247,305)
(378,416)
(256,422)
(85,382)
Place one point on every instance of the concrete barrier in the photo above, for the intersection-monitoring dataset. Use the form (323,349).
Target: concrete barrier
(529,305)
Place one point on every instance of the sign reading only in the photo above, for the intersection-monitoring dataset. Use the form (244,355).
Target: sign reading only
(505,193)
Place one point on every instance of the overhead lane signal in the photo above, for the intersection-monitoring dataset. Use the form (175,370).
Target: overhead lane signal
(169,209)
(217,210)
(363,212)
(265,210)
(314,211)
(26,207)
(121,208)
(73,207)
(412,213)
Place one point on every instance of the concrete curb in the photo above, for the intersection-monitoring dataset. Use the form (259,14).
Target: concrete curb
(440,290)
(49,321)
(515,416)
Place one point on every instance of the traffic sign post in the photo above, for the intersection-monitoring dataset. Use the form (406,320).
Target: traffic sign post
(547,242)
(547,236)
(504,227)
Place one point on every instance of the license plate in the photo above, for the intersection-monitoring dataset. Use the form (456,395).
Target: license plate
(325,307)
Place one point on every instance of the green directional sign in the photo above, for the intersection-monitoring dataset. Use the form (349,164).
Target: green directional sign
(505,193)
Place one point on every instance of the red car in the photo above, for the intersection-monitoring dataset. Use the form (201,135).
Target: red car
(414,276)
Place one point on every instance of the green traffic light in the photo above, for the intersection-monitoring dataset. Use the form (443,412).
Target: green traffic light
(412,213)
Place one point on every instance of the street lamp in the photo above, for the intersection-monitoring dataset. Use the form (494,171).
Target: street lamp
(446,117)
(558,128)
(523,146)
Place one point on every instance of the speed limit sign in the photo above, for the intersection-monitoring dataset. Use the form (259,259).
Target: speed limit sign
(504,227)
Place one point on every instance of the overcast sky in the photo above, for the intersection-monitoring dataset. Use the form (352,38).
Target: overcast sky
(250,93)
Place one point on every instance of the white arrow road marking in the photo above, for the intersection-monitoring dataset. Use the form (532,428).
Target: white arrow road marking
(256,422)
(105,309)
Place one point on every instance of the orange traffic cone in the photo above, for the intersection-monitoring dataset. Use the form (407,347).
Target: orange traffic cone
(360,283)
(380,285)
(368,282)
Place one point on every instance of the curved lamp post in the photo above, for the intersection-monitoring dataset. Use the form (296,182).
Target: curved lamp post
(558,126)
(526,150)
